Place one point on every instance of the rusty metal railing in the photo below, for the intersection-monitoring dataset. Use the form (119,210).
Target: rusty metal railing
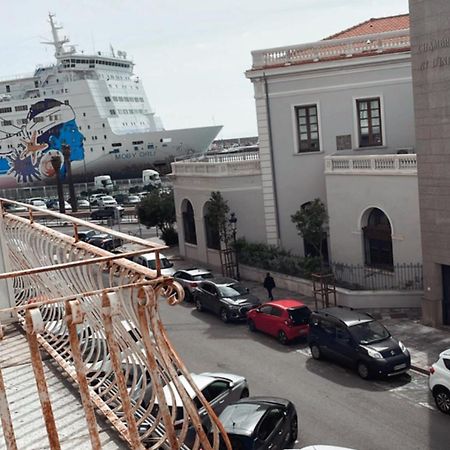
(96,314)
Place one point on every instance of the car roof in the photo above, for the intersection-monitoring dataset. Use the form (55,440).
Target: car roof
(445,354)
(201,381)
(286,303)
(347,315)
(222,281)
(152,256)
(243,417)
(195,271)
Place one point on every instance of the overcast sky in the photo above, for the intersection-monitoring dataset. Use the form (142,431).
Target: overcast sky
(190,54)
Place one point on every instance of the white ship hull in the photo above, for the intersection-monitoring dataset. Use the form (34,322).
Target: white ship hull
(95,105)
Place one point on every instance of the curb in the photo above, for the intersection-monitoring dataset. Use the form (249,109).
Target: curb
(420,370)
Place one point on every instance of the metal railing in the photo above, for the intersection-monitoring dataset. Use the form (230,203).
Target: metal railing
(332,49)
(96,314)
(402,277)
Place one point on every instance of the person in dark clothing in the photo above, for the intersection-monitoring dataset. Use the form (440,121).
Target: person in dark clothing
(269,284)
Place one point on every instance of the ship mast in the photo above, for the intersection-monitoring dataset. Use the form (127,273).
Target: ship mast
(58,42)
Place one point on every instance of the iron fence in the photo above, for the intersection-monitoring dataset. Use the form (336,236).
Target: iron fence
(403,277)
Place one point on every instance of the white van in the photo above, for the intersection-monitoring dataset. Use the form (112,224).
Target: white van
(149,260)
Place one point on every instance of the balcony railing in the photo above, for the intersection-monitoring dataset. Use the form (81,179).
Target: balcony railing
(332,49)
(96,314)
(219,165)
(405,164)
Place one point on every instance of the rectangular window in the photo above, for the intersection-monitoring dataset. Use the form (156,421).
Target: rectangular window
(107,99)
(369,122)
(307,128)
(21,108)
(5,110)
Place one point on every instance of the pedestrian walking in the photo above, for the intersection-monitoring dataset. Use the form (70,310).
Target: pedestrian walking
(269,284)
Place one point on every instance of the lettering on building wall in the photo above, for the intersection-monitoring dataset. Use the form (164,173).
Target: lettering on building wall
(434,61)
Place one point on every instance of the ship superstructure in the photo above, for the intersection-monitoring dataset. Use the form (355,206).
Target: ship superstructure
(94,103)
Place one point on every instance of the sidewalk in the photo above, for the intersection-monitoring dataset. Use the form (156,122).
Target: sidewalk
(424,343)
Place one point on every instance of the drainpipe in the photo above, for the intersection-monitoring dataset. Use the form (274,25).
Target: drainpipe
(272,162)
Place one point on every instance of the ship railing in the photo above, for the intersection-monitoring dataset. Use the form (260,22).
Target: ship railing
(96,314)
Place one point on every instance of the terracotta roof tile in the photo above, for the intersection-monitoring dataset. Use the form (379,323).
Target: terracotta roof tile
(372,26)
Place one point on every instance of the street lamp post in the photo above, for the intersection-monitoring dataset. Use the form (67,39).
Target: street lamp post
(233,223)
(68,164)
(56,164)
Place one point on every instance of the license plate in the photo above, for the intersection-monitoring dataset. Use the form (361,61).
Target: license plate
(400,366)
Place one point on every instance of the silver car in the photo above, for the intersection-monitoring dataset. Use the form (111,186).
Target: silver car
(190,278)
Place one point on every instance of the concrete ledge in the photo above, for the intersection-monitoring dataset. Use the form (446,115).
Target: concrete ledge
(345,297)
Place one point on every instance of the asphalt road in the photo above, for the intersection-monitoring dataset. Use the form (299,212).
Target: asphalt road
(335,406)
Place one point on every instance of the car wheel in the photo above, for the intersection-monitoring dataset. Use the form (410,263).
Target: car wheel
(282,337)
(363,370)
(442,399)
(251,325)
(244,393)
(224,315)
(294,430)
(187,296)
(315,351)
(198,305)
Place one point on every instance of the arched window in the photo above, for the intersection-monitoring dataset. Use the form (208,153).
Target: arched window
(190,235)
(378,240)
(212,233)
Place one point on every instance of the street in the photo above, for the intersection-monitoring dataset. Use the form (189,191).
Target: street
(335,406)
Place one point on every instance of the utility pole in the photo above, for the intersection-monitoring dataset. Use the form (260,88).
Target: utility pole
(56,164)
(68,164)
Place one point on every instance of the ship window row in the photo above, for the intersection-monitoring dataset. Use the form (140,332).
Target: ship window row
(91,62)
(128,99)
(5,110)
(130,111)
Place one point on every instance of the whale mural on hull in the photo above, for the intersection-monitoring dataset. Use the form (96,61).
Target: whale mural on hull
(26,151)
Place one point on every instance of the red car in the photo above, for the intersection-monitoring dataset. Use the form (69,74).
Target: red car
(286,319)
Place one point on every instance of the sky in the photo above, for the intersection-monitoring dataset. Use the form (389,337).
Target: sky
(191,55)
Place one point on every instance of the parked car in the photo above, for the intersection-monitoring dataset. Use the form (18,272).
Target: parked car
(356,339)
(225,297)
(106,200)
(149,260)
(83,203)
(133,200)
(439,381)
(219,389)
(285,319)
(105,241)
(38,201)
(260,423)
(54,204)
(190,278)
(12,208)
(85,235)
(109,212)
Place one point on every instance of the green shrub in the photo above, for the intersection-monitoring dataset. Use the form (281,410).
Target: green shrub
(273,258)
(169,236)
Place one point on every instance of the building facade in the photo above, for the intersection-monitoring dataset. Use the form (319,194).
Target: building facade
(336,122)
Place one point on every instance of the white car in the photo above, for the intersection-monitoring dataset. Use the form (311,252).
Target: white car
(107,200)
(149,260)
(439,381)
(38,201)
(83,203)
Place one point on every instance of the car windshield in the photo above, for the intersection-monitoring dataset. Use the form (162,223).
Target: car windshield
(165,264)
(231,290)
(369,332)
(299,315)
(203,276)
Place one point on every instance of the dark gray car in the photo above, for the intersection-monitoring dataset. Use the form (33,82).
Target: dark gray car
(225,297)
(190,279)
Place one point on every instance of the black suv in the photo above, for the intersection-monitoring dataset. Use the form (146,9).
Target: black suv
(356,339)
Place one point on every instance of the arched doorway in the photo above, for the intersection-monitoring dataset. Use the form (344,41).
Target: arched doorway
(190,234)
(378,240)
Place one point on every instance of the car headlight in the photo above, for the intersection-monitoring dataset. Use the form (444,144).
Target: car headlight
(402,347)
(373,353)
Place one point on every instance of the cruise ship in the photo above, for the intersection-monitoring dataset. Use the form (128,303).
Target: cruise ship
(96,105)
